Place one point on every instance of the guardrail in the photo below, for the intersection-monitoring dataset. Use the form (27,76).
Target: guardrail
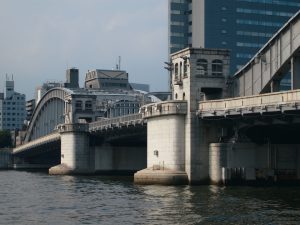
(117,121)
(164,108)
(74,127)
(271,99)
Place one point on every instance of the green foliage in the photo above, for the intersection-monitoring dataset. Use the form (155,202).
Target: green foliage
(5,139)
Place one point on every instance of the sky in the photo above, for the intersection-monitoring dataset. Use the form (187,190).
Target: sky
(40,39)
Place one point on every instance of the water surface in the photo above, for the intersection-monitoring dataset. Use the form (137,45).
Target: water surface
(37,198)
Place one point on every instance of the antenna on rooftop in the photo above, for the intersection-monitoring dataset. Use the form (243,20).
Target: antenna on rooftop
(118,64)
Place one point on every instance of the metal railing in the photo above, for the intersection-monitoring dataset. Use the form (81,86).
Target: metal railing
(74,127)
(164,108)
(117,121)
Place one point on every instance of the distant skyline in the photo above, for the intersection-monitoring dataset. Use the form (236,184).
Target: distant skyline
(41,39)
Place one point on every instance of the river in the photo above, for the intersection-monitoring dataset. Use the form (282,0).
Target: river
(37,198)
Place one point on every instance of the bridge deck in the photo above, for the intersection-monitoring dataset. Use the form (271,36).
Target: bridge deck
(37,143)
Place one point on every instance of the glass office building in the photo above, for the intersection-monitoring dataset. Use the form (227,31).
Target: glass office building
(243,26)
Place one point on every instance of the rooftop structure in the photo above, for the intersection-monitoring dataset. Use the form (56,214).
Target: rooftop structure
(106,79)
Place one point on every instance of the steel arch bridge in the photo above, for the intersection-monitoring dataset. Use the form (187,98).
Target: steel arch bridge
(48,113)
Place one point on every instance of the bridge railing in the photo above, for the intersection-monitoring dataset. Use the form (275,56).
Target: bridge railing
(275,99)
(164,108)
(117,121)
(74,127)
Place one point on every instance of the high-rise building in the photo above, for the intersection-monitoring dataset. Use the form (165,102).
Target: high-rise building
(243,26)
(12,108)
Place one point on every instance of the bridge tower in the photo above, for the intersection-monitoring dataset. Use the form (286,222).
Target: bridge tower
(177,141)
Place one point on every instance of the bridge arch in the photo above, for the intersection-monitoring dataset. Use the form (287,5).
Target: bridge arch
(48,113)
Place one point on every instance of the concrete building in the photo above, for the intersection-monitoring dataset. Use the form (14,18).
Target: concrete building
(106,79)
(243,26)
(142,87)
(12,108)
(72,78)
(72,81)
(41,90)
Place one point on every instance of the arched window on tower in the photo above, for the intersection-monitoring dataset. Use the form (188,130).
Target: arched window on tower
(217,67)
(202,67)
(185,69)
(176,71)
(180,70)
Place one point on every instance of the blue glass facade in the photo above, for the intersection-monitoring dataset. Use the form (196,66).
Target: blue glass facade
(178,24)
(243,26)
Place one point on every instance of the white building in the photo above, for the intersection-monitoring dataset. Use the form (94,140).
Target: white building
(12,108)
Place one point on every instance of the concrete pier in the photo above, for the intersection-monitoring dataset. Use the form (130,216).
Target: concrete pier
(76,155)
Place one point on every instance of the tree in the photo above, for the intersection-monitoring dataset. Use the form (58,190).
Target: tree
(5,139)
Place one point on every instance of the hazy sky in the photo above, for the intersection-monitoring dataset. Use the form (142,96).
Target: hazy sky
(41,38)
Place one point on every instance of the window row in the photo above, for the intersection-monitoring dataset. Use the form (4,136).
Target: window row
(264,12)
(216,67)
(273,2)
(11,125)
(259,23)
(12,119)
(13,114)
(244,55)
(79,105)
(254,34)
(181,69)
(249,45)
(13,108)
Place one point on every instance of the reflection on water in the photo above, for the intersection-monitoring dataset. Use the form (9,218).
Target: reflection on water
(37,198)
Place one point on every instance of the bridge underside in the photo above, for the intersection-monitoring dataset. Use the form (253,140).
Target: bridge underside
(135,135)
(120,150)
(42,156)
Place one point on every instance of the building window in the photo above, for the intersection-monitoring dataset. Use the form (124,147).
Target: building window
(217,67)
(202,66)
(180,69)
(78,105)
(88,105)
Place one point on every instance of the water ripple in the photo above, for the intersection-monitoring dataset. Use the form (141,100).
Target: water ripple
(37,198)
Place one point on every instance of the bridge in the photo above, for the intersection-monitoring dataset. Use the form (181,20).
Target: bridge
(218,128)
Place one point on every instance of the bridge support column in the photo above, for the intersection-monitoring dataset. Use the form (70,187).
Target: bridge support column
(165,152)
(295,72)
(76,154)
